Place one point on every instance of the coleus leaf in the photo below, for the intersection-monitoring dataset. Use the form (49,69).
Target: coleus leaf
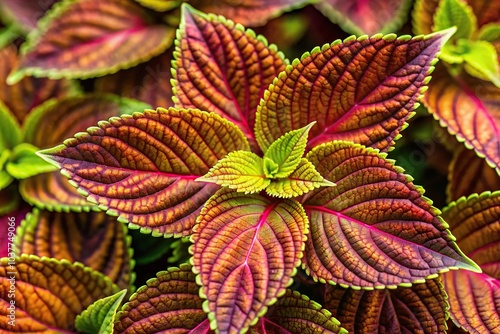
(246,250)
(171,302)
(49,293)
(481,60)
(486,10)
(99,317)
(286,152)
(404,242)
(469,174)
(301,181)
(168,302)
(97,240)
(455,13)
(221,67)
(249,12)
(423,16)
(148,82)
(475,297)
(72,115)
(366,17)
(362,89)
(28,93)
(469,109)
(10,131)
(9,199)
(72,39)
(10,223)
(160,5)
(296,313)
(25,12)
(489,32)
(240,170)
(143,167)
(25,163)
(419,309)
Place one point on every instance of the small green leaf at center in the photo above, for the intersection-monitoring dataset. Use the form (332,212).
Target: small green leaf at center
(270,168)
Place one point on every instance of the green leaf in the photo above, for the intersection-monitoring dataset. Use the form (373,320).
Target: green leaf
(366,17)
(72,115)
(240,170)
(10,131)
(246,250)
(50,293)
(99,317)
(304,179)
(287,151)
(167,303)
(160,5)
(362,89)
(93,239)
(75,38)
(422,308)
(25,163)
(489,32)
(481,60)
(223,68)
(374,229)
(5,177)
(455,13)
(142,168)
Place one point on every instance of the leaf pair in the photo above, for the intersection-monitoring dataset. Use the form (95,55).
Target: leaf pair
(282,172)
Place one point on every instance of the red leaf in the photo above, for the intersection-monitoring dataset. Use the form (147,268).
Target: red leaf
(222,68)
(248,12)
(81,39)
(366,17)
(246,249)
(470,109)
(419,309)
(375,228)
(362,90)
(142,167)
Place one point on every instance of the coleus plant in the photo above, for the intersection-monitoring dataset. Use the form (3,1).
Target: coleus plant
(299,151)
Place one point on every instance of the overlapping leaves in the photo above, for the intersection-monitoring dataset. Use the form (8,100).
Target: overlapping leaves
(464,97)
(171,302)
(72,114)
(49,293)
(94,239)
(419,309)
(475,297)
(374,230)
